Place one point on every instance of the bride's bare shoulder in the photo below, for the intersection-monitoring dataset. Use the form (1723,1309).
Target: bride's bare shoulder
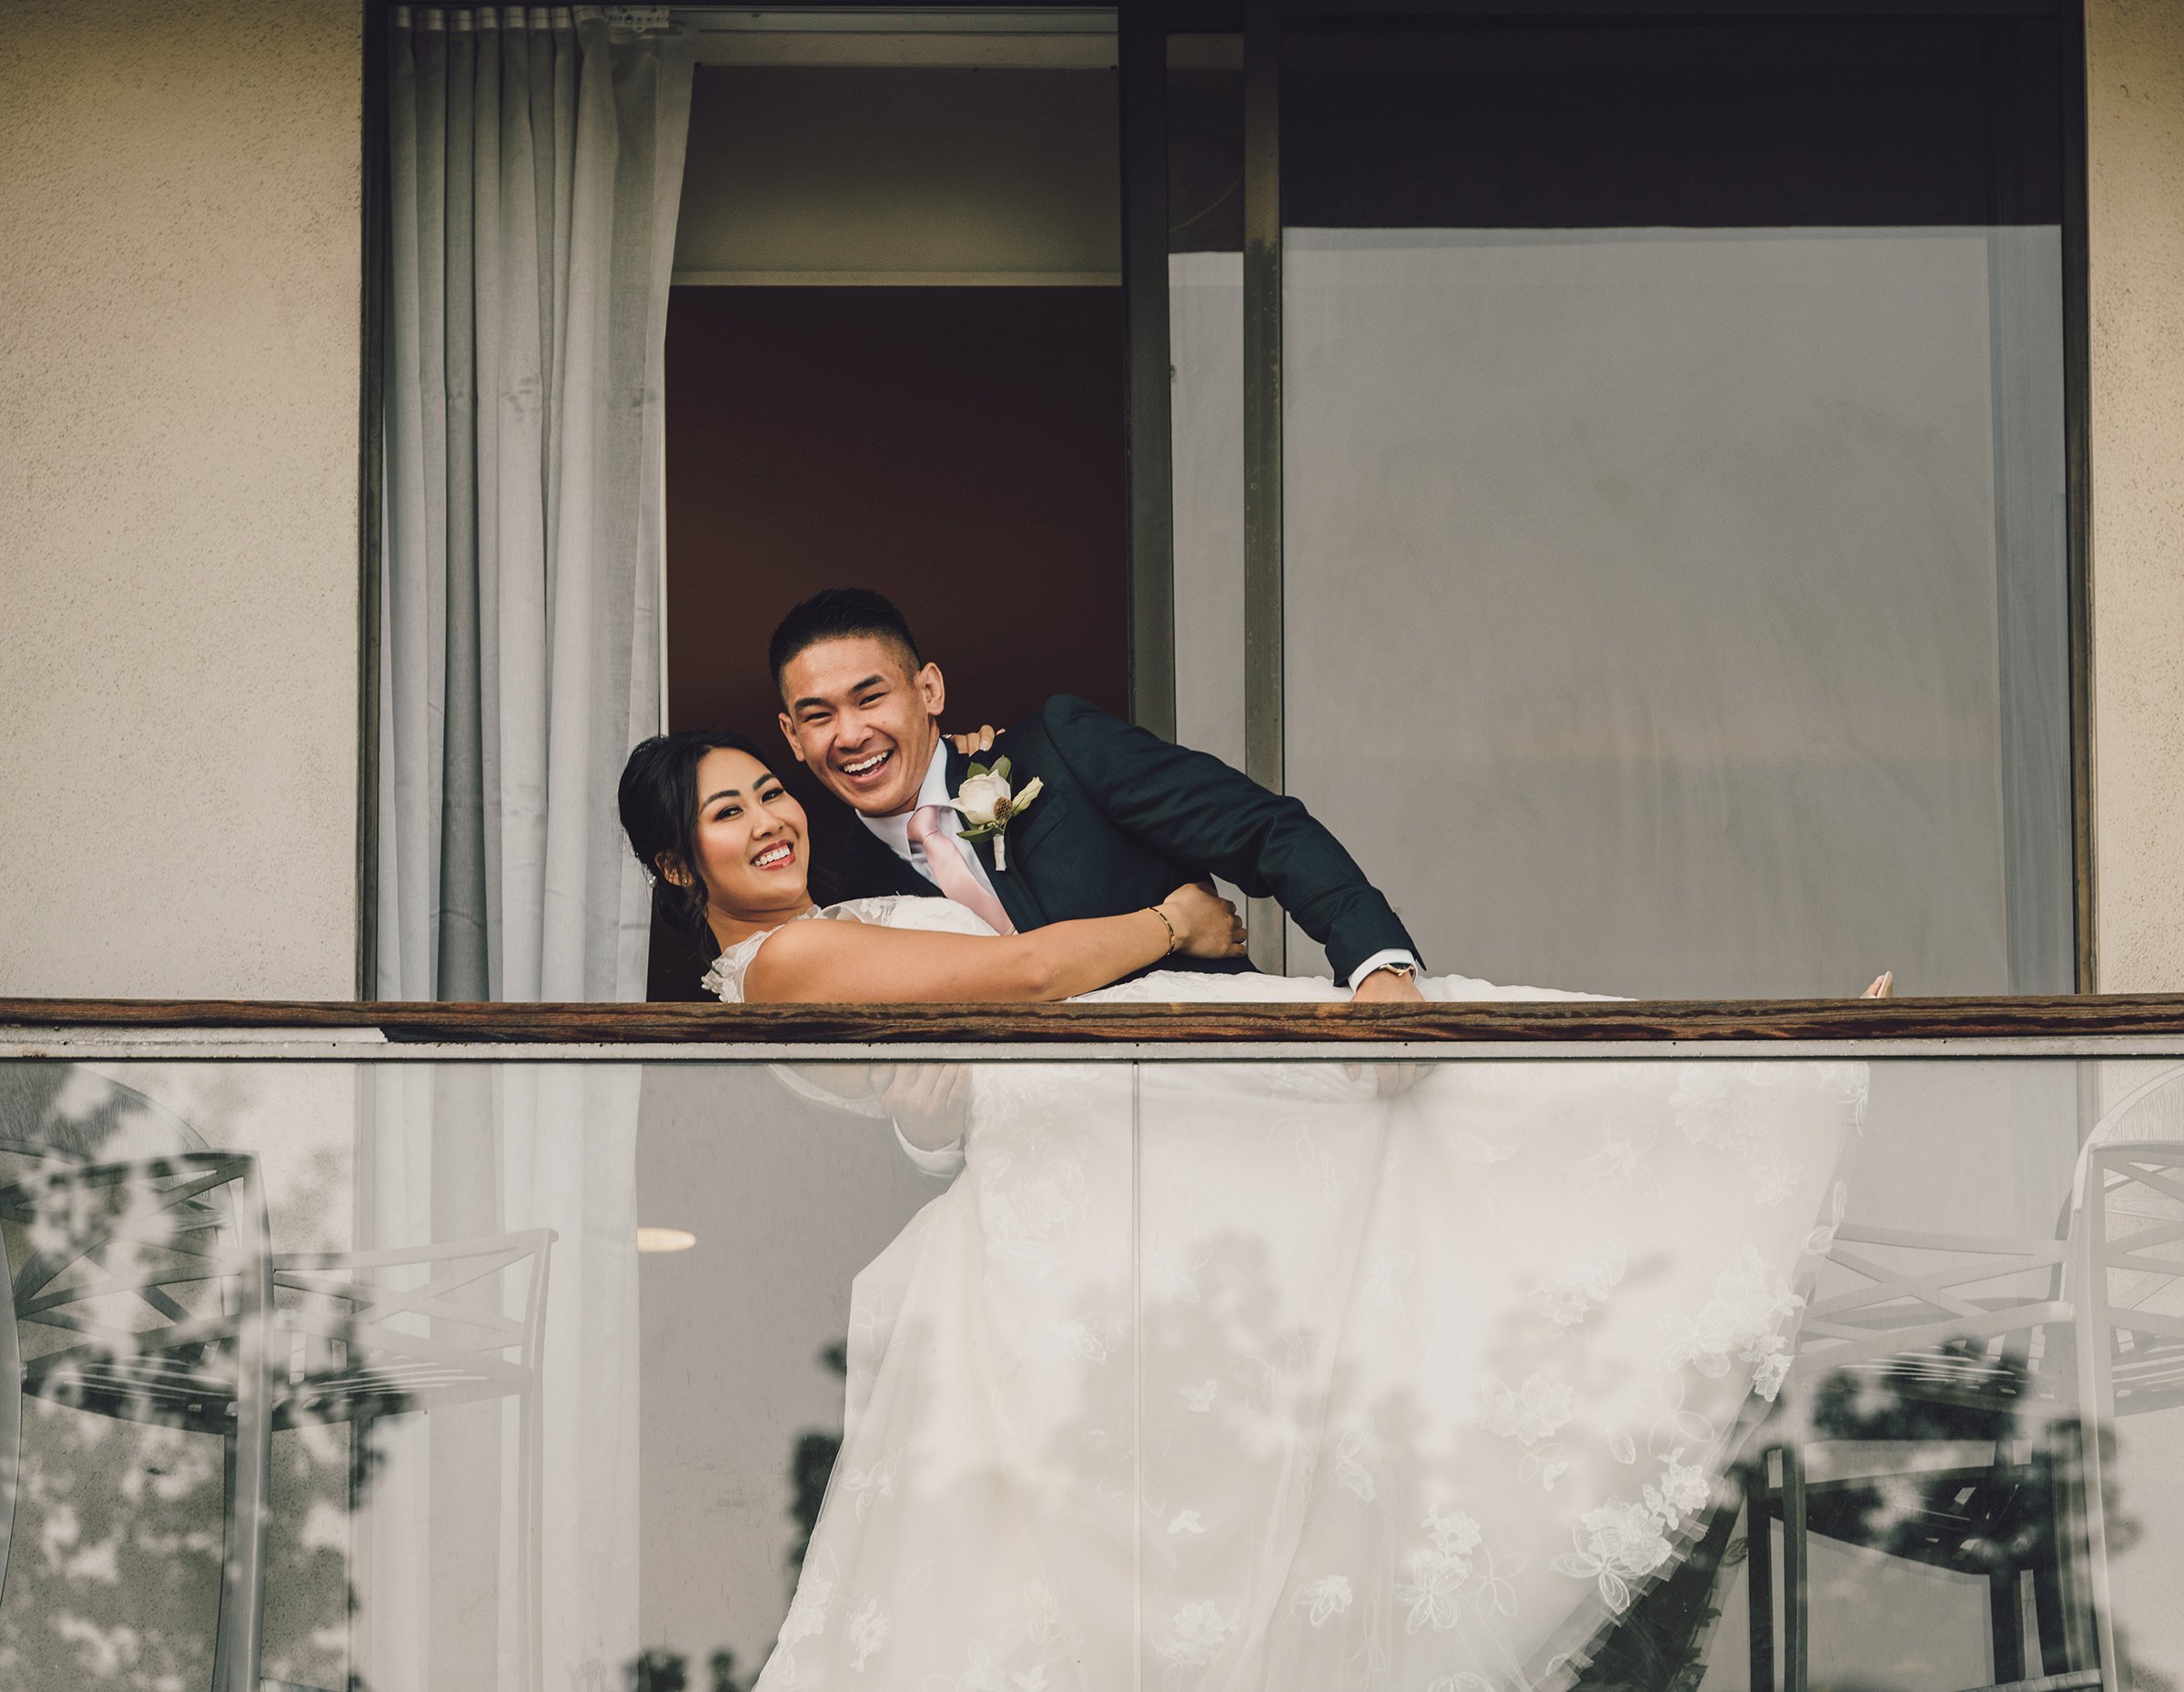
(782,969)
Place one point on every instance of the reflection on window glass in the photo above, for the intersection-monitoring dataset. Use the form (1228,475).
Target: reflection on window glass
(1575,1372)
(1206,365)
(1691,398)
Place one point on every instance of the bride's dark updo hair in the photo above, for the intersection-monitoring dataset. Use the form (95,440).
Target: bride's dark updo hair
(659,801)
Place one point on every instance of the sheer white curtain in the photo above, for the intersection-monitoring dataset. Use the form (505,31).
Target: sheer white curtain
(536,167)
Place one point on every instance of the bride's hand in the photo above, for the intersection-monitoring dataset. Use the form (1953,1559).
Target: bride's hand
(1206,925)
(1883,986)
(979,740)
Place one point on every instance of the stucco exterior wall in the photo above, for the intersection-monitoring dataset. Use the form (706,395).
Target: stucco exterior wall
(179,266)
(2135,163)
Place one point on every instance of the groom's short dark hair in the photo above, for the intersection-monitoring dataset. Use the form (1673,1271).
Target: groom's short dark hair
(840,613)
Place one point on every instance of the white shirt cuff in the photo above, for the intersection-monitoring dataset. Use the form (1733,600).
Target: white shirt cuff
(1381,960)
(943,1163)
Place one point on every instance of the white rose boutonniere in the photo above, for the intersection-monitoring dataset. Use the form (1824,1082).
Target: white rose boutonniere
(988,805)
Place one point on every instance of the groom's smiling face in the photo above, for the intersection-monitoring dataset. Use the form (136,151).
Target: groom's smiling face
(866,717)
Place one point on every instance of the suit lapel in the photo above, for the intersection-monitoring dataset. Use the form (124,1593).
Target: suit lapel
(958,765)
(869,867)
(1016,898)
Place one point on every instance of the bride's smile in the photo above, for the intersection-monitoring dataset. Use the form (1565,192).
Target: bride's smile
(747,845)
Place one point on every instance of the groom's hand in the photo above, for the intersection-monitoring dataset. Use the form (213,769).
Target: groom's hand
(1389,986)
(930,1102)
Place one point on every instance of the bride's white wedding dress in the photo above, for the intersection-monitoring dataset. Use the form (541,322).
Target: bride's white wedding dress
(1237,1375)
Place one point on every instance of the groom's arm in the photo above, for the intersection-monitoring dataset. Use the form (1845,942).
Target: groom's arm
(1191,807)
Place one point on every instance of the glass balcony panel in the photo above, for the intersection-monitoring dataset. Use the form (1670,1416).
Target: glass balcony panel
(1617,1369)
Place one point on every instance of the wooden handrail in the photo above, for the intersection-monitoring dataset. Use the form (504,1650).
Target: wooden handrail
(2081,1016)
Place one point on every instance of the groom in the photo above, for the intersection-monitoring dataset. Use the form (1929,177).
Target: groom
(1120,820)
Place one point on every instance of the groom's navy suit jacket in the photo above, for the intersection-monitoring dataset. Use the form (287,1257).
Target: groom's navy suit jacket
(1126,817)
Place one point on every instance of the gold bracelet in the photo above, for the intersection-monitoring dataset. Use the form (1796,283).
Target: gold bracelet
(1174,939)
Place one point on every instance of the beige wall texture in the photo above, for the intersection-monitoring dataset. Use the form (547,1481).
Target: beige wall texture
(179,266)
(2134,166)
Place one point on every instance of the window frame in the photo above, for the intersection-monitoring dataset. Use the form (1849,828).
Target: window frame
(1261,23)
(1142,30)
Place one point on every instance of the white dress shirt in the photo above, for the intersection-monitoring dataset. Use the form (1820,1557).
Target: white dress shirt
(895,831)
(1381,960)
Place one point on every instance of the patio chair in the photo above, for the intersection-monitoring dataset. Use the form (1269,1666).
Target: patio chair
(1939,1386)
(356,1345)
(152,1290)
(2129,1270)
(148,1286)
(2098,1336)
(2133,1305)
(50,1114)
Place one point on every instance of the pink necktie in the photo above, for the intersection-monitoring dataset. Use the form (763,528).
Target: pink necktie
(951,875)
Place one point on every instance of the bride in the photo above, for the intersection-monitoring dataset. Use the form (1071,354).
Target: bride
(1243,1375)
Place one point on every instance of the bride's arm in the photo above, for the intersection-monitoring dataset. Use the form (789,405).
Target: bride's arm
(856,963)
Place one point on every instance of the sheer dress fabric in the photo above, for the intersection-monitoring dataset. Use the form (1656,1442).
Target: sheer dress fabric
(1412,1393)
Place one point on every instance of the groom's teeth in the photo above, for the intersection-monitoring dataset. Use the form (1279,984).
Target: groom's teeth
(868,765)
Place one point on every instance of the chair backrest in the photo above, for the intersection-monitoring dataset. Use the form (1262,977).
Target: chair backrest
(159,1257)
(66,1112)
(2150,1113)
(2132,1275)
(1961,1315)
(64,1115)
(458,1311)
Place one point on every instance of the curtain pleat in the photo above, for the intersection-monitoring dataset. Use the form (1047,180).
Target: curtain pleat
(537,167)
